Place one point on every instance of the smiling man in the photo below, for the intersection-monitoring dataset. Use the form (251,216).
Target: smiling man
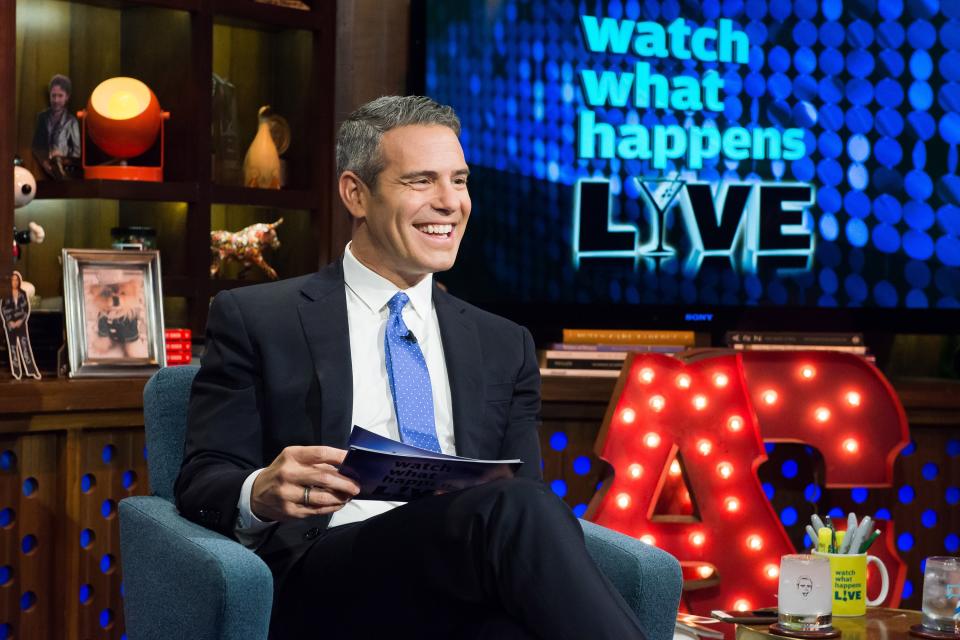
(371,341)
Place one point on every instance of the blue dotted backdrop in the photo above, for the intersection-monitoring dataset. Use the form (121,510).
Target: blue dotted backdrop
(875,86)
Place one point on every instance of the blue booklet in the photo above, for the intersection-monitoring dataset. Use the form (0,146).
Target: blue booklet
(389,470)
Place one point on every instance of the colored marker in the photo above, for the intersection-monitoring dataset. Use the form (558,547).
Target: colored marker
(812,534)
(869,541)
(823,540)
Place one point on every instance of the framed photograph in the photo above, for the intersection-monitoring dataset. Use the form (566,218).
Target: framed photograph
(114,312)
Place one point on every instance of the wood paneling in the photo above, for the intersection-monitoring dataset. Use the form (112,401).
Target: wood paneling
(49,443)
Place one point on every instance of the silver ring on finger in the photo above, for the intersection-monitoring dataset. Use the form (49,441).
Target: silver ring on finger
(306,495)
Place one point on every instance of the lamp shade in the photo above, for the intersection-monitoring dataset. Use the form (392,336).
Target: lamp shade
(123,117)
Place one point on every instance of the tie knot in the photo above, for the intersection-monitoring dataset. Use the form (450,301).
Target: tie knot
(398,302)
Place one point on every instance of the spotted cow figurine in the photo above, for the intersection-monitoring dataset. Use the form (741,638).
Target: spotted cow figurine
(245,246)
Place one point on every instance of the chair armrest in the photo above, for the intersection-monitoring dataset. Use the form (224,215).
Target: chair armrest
(648,578)
(182,580)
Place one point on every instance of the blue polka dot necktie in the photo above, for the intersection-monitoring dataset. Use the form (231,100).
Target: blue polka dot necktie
(409,380)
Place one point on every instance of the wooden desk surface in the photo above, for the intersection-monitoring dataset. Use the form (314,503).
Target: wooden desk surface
(880,623)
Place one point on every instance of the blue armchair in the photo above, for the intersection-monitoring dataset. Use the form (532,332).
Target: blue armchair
(182,580)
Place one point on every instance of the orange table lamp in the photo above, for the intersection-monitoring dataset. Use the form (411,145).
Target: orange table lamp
(123,118)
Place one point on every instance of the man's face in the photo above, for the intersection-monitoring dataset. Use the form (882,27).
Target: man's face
(58,98)
(805,585)
(412,220)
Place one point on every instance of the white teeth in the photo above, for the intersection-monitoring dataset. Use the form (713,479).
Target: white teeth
(436,229)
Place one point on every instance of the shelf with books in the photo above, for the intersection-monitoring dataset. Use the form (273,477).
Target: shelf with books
(602,352)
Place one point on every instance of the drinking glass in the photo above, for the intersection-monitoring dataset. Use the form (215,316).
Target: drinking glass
(804,600)
(941,594)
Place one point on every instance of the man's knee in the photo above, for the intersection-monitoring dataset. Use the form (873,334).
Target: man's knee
(517,501)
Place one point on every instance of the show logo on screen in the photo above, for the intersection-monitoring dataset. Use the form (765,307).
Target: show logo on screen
(750,223)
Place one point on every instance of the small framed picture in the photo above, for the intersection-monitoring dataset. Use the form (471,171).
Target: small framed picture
(114,312)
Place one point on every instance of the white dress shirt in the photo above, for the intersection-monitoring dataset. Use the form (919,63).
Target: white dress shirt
(373,409)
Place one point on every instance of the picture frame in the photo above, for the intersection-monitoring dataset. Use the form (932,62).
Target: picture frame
(114,312)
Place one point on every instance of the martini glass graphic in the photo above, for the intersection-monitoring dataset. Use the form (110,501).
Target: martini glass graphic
(659,194)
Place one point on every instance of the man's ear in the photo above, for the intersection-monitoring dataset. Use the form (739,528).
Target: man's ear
(354,194)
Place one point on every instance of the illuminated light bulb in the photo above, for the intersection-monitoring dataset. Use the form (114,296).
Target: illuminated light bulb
(635,470)
(628,416)
(704,571)
(807,372)
(657,403)
(731,504)
(735,423)
(697,539)
(821,414)
(704,447)
(700,403)
(725,469)
(742,605)
(623,500)
(652,440)
(721,380)
(646,375)
(648,539)
(850,445)
(675,468)
(769,397)
(853,399)
(771,571)
(683,381)
(754,542)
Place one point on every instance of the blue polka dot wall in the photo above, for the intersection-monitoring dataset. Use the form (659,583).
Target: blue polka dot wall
(108,466)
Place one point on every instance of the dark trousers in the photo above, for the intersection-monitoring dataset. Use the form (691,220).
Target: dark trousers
(502,560)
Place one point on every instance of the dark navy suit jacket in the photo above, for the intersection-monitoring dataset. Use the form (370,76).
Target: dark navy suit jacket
(277,372)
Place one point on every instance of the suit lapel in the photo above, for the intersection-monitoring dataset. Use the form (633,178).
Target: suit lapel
(461,350)
(323,316)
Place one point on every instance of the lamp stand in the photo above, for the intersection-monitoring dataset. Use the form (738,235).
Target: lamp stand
(121,172)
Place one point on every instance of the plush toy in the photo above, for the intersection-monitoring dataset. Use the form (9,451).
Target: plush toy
(245,246)
(24,190)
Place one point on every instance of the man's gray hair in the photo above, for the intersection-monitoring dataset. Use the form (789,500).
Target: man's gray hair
(358,141)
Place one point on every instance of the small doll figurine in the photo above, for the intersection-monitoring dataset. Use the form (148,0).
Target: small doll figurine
(15,312)
(245,246)
(56,138)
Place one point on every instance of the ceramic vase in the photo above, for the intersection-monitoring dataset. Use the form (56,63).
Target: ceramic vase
(261,166)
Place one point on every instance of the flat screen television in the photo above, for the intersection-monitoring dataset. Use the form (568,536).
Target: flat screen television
(735,164)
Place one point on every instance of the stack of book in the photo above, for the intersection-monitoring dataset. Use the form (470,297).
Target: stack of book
(789,341)
(178,344)
(601,352)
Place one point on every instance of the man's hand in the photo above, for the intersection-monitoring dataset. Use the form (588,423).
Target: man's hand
(278,491)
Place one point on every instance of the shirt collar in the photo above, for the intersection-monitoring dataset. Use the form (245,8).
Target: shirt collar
(375,291)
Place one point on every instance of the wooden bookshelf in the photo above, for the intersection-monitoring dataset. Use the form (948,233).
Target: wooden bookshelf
(272,55)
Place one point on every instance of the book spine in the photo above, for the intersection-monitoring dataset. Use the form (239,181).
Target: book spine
(585,373)
(586,355)
(628,336)
(632,348)
(823,339)
(560,363)
(799,347)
